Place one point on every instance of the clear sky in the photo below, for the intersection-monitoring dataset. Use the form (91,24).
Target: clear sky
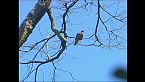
(85,63)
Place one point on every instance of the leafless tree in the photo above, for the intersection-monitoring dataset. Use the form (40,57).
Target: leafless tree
(101,36)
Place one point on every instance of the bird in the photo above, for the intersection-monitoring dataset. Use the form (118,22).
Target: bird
(79,37)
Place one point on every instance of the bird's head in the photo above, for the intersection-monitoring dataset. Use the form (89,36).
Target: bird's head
(82,31)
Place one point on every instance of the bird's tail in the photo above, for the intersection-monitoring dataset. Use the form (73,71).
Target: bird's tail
(76,41)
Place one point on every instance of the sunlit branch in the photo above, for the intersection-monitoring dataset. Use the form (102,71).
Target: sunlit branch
(31,20)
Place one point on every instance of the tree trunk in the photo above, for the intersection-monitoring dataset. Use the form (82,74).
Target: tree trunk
(32,19)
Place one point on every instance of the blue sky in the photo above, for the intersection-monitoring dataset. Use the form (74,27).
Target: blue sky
(85,63)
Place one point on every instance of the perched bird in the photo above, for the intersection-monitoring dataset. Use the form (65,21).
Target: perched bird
(79,37)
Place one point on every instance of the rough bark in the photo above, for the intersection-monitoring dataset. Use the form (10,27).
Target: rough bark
(32,19)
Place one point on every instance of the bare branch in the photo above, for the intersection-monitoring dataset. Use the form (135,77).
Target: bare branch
(98,22)
(92,39)
(37,71)
(64,16)
(53,78)
(53,26)
(121,20)
(42,47)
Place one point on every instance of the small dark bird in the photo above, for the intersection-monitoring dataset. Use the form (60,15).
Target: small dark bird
(79,37)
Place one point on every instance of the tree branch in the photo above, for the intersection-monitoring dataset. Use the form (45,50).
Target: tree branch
(31,20)
(121,20)
(53,27)
(37,71)
(64,16)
